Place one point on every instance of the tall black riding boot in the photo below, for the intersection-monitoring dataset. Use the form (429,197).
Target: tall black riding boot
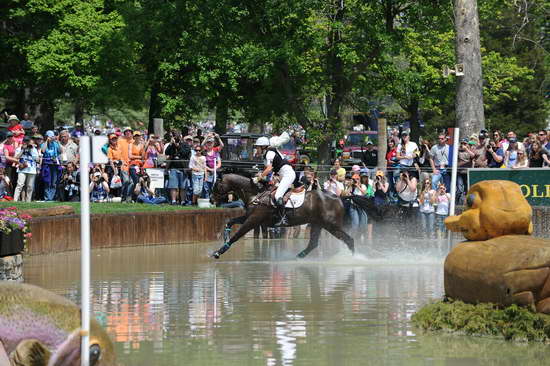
(282,215)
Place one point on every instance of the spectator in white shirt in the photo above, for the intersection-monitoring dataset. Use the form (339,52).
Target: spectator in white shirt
(333,185)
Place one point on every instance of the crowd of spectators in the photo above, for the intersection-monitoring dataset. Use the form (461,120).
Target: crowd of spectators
(418,176)
(35,167)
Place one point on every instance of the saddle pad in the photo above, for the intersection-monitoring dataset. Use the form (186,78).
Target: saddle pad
(296,199)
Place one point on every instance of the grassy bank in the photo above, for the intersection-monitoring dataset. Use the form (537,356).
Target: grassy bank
(100,208)
(512,323)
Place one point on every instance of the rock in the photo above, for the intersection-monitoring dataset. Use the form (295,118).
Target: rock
(49,211)
(511,269)
(11,268)
(496,266)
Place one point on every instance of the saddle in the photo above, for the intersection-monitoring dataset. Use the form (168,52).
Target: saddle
(295,193)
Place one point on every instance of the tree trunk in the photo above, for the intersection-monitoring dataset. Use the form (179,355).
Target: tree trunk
(155,106)
(414,120)
(78,111)
(324,154)
(47,113)
(469,96)
(222,115)
(382,143)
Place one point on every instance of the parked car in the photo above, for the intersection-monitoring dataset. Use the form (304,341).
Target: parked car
(354,143)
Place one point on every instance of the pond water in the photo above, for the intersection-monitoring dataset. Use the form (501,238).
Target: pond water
(173,305)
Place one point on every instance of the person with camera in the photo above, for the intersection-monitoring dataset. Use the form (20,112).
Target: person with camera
(495,155)
(120,179)
(70,183)
(99,189)
(213,164)
(381,187)
(480,150)
(177,152)
(51,165)
(27,157)
(218,143)
(407,190)
(442,201)
(136,153)
(440,161)
(153,148)
(332,185)
(197,164)
(354,187)
(144,192)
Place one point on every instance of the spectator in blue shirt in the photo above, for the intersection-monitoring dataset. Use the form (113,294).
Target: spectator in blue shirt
(51,168)
(495,155)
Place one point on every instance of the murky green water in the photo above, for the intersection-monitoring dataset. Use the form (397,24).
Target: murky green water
(172,305)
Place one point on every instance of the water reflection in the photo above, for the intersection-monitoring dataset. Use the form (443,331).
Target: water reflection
(172,304)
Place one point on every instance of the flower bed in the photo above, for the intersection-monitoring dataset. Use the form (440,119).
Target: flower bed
(14,231)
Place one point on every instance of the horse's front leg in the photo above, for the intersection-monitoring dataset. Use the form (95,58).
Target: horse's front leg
(249,224)
(227,230)
(314,234)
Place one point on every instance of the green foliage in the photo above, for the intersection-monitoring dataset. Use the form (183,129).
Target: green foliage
(513,323)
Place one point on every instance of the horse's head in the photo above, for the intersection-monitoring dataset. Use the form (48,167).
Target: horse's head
(219,191)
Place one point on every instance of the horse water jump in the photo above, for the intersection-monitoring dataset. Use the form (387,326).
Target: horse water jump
(320,209)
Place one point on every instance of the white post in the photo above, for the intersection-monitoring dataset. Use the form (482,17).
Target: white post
(85,248)
(453,180)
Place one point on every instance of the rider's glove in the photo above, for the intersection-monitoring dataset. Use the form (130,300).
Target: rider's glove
(256,180)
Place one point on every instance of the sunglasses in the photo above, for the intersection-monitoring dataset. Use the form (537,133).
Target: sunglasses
(198,150)
(542,134)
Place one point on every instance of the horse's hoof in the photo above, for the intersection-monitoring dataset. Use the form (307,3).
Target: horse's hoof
(216,255)
(301,255)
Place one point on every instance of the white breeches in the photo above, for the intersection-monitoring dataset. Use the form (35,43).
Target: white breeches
(288,176)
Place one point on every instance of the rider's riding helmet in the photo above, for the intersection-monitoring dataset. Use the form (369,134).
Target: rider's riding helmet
(262,141)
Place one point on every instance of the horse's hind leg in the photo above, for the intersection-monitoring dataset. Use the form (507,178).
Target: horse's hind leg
(249,224)
(313,240)
(342,235)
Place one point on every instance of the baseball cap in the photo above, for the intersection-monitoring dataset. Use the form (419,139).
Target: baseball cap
(379,173)
(13,117)
(50,133)
(333,172)
(356,168)
(111,135)
(127,128)
(137,133)
(188,137)
(404,133)
(465,140)
(341,172)
(369,142)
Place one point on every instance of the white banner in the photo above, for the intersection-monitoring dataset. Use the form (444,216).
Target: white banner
(156,176)
(98,156)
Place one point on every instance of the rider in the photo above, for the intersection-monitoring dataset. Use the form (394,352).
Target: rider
(276,163)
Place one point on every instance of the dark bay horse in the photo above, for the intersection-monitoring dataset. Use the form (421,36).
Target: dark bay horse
(320,209)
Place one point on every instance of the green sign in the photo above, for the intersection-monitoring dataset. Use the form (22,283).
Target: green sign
(534,182)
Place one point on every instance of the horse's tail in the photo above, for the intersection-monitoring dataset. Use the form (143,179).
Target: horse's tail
(367,205)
